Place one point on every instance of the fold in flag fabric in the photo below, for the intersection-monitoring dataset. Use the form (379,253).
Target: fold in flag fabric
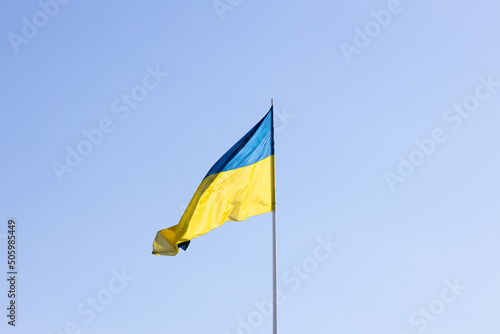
(238,186)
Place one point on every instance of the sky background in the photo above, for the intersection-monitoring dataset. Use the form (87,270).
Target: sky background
(343,124)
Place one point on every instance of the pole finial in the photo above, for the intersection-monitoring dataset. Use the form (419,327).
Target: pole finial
(272,102)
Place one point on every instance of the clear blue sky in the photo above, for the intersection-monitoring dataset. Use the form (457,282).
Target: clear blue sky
(351,109)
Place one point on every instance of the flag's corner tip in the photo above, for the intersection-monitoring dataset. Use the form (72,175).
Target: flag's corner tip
(164,253)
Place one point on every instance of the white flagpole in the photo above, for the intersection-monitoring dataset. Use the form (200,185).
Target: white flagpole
(275,256)
(275,279)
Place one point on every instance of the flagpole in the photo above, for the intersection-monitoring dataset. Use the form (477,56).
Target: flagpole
(275,256)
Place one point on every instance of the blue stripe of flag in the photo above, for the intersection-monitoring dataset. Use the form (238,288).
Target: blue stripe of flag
(255,146)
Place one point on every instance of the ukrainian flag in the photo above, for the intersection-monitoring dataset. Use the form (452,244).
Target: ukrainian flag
(238,186)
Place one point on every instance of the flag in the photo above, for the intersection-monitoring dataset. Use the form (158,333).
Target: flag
(238,186)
